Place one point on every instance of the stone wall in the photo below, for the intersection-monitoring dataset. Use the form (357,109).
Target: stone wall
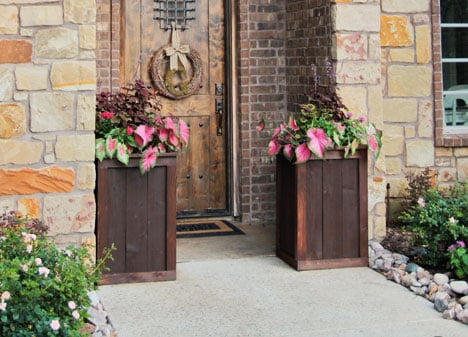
(47,106)
(412,109)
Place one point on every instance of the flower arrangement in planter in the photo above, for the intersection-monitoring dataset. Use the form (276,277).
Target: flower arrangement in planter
(130,121)
(324,122)
(43,290)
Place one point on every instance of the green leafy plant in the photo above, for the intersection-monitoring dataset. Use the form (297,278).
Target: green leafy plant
(323,123)
(43,290)
(130,121)
(438,218)
(418,184)
(458,259)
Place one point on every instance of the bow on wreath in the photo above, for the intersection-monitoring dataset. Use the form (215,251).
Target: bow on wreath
(177,52)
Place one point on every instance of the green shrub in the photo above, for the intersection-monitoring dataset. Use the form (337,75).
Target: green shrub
(439,218)
(43,289)
(458,259)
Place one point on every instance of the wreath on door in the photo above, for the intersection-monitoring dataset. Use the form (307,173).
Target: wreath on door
(175,69)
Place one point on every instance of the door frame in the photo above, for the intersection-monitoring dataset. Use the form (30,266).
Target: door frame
(231,85)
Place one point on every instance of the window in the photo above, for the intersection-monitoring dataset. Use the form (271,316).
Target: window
(454,38)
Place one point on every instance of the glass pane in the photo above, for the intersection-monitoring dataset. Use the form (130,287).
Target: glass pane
(454,11)
(455,42)
(454,74)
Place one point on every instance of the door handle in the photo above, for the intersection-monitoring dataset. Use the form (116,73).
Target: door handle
(219,115)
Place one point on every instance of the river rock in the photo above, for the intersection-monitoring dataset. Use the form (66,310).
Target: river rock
(441,279)
(463,300)
(412,268)
(459,287)
(441,301)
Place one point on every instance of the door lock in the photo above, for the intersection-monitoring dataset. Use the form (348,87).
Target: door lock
(219,113)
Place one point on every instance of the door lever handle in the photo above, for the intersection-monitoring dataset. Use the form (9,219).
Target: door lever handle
(219,115)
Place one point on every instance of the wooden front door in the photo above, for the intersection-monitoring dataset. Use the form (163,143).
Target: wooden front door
(146,32)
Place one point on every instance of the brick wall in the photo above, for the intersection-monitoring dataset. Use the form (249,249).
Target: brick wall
(47,99)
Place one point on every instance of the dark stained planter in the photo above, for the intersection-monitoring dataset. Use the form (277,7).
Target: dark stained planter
(321,212)
(138,215)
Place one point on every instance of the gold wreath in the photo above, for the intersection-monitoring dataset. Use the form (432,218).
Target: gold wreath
(164,78)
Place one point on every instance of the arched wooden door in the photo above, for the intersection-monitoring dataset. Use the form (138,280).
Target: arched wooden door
(146,28)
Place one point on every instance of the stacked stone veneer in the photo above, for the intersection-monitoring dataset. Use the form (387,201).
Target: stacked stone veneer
(47,106)
(412,100)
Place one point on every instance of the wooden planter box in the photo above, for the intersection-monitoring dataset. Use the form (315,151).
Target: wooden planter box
(138,215)
(321,211)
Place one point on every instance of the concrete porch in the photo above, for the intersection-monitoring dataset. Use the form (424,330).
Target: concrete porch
(235,286)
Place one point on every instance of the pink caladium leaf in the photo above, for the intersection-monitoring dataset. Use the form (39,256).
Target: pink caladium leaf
(143,135)
(292,124)
(123,155)
(111,147)
(318,140)
(174,140)
(302,153)
(162,148)
(273,148)
(148,159)
(163,134)
(169,123)
(100,149)
(184,131)
(374,145)
(288,151)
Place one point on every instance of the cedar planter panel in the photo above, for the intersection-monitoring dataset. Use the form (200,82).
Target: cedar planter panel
(321,211)
(138,214)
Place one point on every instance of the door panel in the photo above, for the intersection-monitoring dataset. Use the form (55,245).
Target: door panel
(201,168)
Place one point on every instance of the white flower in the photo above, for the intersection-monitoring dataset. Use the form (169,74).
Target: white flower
(76,315)
(43,271)
(6,295)
(55,325)
(38,261)
(3,306)
(452,220)
(29,249)
(72,305)
(24,267)
(421,202)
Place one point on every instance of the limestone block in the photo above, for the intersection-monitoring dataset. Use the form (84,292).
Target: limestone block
(397,186)
(409,81)
(15,51)
(9,22)
(31,77)
(20,96)
(443,162)
(380,209)
(423,44)
(30,207)
(41,16)
(30,181)
(12,120)
(375,101)
(87,36)
(6,84)
(74,75)
(377,191)
(355,98)
(56,43)
(9,2)
(363,17)
(462,168)
(444,152)
(426,119)
(393,140)
(20,152)
(86,112)
(75,148)
(394,165)
(447,175)
(83,11)
(51,111)
(87,54)
(351,46)
(461,152)
(86,177)
(380,229)
(400,110)
(410,132)
(395,31)
(8,204)
(401,55)
(374,46)
(421,18)
(355,72)
(70,214)
(420,153)
(405,6)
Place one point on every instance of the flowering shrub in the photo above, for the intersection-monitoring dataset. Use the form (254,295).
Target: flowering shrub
(438,218)
(458,259)
(43,289)
(323,123)
(130,122)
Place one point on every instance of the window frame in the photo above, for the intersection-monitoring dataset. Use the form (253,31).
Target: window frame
(445,136)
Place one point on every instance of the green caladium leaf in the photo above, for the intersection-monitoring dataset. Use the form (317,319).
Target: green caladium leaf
(111,147)
(100,149)
(123,155)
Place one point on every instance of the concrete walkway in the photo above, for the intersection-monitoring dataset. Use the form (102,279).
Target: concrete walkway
(235,286)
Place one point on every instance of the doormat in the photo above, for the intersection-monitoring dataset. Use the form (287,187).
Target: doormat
(194,229)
